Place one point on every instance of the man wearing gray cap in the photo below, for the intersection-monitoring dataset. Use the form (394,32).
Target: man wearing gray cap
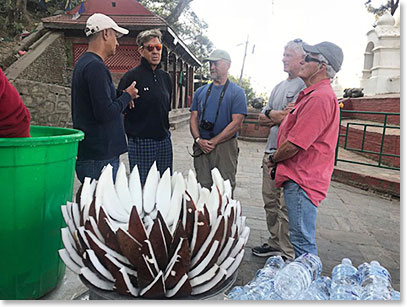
(96,107)
(217,112)
(306,144)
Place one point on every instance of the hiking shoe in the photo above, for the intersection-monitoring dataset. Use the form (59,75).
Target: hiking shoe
(265,251)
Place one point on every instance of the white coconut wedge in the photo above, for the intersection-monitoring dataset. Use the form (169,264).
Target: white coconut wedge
(218,180)
(118,265)
(235,264)
(130,288)
(181,289)
(95,280)
(82,238)
(213,204)
(226,250)
(227,263)
(203,198)
(205,261)
(203,278)
(76,215)
(122,188)
(192,186)
(176,199)
(210,284)
(86,193)
(163,196)
(63,253)
(150,189)
(228,188)
(237,248)
(93,240)
(99,266)
(65,234)
(95,229)
(156,289)
(135,188)
(68,221)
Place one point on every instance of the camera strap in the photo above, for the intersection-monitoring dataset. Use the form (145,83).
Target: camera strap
(222,94)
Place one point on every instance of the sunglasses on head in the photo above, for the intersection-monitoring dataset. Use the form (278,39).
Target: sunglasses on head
(151,47)
(309,58)
(298,40)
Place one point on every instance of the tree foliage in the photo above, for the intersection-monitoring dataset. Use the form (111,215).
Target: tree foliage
(390,5)
(247,87)
(185,22)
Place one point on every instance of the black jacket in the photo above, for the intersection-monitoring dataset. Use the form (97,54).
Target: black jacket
(96,110)
(149,118)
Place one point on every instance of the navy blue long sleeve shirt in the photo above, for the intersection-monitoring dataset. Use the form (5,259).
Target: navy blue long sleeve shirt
(149,118)
(97,110)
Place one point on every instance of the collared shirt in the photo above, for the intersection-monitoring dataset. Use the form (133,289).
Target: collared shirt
(234,102)
(283,93)
(312,125)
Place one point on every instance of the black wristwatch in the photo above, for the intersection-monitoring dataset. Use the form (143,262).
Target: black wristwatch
(267,113)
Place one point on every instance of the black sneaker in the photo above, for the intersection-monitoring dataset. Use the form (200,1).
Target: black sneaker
(265,251)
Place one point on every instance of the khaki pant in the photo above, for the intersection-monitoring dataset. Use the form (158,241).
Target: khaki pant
(276,214)
(224,157)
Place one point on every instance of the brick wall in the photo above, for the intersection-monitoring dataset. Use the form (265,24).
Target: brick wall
(372,143)
(377,104)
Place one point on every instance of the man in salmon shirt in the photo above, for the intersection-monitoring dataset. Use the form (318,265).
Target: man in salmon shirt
(14,116)
(306,142)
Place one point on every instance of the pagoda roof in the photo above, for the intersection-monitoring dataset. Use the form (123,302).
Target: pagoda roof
(129,14)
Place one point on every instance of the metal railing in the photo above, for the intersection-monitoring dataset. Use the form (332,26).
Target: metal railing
(380,153)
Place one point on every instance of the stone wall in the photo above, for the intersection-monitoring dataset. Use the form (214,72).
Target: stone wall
(50,66)
(49,104)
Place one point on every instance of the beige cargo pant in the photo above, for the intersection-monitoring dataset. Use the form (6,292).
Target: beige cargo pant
(276,214)
(224,157)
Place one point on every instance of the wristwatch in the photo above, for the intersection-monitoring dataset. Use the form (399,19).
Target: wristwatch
(267,113)
(197,139)
(271,158)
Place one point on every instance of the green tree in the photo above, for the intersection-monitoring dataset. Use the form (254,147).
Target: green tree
(247,87)
(185,22)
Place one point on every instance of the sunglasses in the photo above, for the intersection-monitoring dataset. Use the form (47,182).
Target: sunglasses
(309,58)
(298,40)
(150,47)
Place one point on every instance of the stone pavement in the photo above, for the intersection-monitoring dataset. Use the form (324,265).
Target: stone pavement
(351,222)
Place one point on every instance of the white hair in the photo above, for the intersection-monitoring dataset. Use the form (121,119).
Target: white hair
(329,70)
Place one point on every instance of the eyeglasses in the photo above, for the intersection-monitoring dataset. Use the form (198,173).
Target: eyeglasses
(309,58)
(298,40)
(150,47)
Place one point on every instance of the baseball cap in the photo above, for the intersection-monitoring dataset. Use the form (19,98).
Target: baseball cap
(98,22)
(217,55)
(330,51)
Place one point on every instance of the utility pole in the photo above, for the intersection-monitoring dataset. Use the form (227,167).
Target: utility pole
(244,59)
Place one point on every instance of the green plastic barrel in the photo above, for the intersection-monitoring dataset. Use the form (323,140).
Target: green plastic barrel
(36,178)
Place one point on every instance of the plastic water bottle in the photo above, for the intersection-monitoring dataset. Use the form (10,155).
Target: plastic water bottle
(375,282)
(319,290)
(345,282)
(271,267)
(236,293)
(297,276)
(395,295)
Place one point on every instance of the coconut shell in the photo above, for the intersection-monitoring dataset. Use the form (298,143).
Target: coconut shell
(201,226)
(155,289)
(136,226)
(107,232)
(182,289)
(165,230)
(92,208)
(179,265)
(178,235)
(158,244)
(189,225)
(129,246)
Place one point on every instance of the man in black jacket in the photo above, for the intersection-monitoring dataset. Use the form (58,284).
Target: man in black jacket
(96,108)
(147,124)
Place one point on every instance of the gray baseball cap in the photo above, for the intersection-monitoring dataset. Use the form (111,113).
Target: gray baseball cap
(217,55)
(330,51)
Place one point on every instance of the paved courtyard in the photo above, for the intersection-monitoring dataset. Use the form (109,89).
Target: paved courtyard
(351,223)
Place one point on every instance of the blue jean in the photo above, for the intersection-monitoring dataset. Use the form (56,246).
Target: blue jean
(93,168)
(302,219)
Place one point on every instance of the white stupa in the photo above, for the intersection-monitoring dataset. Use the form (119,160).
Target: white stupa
(381,73)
